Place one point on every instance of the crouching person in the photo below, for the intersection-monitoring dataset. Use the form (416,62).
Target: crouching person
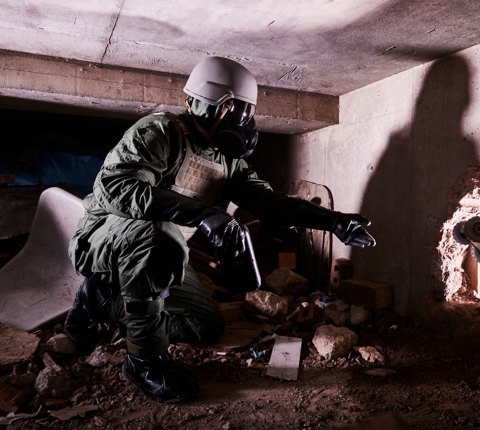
(169,176)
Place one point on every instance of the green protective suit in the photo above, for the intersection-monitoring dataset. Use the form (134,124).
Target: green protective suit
(126,237)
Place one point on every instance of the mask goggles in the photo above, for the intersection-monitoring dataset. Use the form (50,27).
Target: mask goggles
(241,112)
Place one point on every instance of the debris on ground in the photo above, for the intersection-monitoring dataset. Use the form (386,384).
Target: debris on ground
(285,358)
(16,346)
(292,356)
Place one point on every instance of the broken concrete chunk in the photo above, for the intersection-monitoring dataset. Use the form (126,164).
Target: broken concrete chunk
(54,382)
(358,314)
(334,342)
(60,343)
(266,303)
(98,358)
(338,318)
(285,281)
(371,354)
(338,305)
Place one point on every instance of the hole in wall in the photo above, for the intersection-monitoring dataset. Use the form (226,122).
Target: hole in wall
(457,270)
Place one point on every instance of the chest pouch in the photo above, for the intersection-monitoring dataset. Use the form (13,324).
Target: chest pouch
(200,179)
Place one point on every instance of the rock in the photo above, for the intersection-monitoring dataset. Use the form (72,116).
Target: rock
(308,316)
(358,314)
(266,303)
(334,342)
(285,281)
(54,382)
(371,354)
(339,305)
(60,343)
(338,318)
(98,358)
(316,297)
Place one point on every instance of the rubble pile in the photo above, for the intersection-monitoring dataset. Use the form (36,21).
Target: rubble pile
(50,376)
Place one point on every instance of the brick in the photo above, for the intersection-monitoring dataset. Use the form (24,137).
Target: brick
(287,259)
(370,294)
(341,269)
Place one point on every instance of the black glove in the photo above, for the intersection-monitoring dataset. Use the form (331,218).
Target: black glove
(220,228)
(241,271)
(348,228)
(224,231)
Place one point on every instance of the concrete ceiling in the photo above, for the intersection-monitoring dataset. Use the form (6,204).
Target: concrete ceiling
(325,47)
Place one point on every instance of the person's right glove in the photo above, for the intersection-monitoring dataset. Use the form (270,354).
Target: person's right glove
(348,228)
(222,230)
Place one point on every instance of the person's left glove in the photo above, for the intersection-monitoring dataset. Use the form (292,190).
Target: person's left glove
(349,229)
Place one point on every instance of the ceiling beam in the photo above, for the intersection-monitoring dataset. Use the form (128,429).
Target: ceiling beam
(80,87)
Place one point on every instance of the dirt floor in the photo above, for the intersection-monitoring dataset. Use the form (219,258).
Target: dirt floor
(430,379)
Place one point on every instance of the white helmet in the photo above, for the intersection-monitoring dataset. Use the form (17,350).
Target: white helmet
(216,79)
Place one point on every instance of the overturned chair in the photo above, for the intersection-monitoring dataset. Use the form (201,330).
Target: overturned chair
(38,285)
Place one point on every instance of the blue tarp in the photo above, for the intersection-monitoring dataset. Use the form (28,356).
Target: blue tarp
(53,168)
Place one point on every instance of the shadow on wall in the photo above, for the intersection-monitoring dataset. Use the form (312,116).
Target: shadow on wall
(407,196)
(272,159)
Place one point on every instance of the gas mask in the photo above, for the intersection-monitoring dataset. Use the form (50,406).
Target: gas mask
(237,135)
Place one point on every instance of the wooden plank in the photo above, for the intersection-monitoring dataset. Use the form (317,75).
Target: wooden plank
(231,311)
(16,346)
(237,334)
(285,358)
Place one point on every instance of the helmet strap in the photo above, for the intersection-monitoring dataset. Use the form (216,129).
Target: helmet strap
(226,106)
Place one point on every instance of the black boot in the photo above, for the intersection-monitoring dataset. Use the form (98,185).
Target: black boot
(81,324)
(160,379)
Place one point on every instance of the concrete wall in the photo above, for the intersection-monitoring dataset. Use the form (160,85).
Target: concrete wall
(399,148)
